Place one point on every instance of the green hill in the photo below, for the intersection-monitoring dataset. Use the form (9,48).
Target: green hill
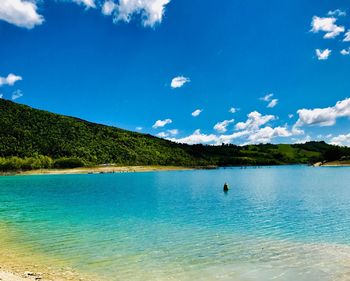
(32,138)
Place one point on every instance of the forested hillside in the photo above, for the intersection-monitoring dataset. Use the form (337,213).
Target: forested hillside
(31,138)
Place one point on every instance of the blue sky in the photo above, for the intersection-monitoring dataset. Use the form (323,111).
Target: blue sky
(283,66)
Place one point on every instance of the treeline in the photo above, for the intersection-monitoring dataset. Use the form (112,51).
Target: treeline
(15,163)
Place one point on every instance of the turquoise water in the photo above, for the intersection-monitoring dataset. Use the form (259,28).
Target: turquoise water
(276,223)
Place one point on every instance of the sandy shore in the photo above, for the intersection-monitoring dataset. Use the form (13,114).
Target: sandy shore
(333,164)
(105,170)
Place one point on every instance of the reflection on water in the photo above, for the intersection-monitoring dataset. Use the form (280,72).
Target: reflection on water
(276,223)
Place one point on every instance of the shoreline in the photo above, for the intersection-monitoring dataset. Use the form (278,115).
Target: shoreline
(101,170)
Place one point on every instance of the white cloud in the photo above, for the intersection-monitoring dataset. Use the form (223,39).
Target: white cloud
(10,80)
(173,132)
(290,115)
(345,52)
(87,3)
(20,13)
(337,12)
(327,25)
(168,133)
(1,96)
(323,54)
(267,97)
(16,94)
(233,110)
(197,137)
(324,116)
(109,7)
(272,103)
(179,81)
(347,36)
(139,128)
(151,11)
(197,112)
(222,126)
(342,140)
(266,134)
(254,121)
(161,123)
(303,140)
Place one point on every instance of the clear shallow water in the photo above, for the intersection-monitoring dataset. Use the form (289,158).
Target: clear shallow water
(276,223)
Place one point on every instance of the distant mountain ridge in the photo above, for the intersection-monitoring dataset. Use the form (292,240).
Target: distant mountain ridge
(29,132)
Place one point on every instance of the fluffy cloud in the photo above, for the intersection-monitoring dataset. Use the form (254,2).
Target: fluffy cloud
(324,116)
(151,11)
(266,134)
(10,80)
(342,140)
(337,12)
(16,94)
(87,3)
(138,128)
(1,96)
(197,112)
(248,132)
(347,36)
(197,137)
(161,123)
(323,54)
(179,81)
(327,25)
(345,52)
(109,7)
(254,121)
(222,126)
(271,102)
(20,13)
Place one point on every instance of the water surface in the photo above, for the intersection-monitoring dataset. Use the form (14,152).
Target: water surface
(276,223)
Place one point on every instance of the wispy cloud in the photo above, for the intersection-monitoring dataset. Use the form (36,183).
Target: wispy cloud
(222,126)
(17,94)
(337,13)
(271,102)
(323,54)
(21,13)
(161,123)
(197,112)
(178,82)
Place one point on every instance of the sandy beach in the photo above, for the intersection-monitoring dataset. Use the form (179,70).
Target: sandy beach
(105,170)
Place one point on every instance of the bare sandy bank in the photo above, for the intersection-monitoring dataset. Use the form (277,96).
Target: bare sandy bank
(106,170)
(333,164)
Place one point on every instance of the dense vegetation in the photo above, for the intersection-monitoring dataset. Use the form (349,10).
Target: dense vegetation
(31,139)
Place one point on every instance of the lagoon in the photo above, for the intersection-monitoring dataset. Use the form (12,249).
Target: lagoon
(276,223)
